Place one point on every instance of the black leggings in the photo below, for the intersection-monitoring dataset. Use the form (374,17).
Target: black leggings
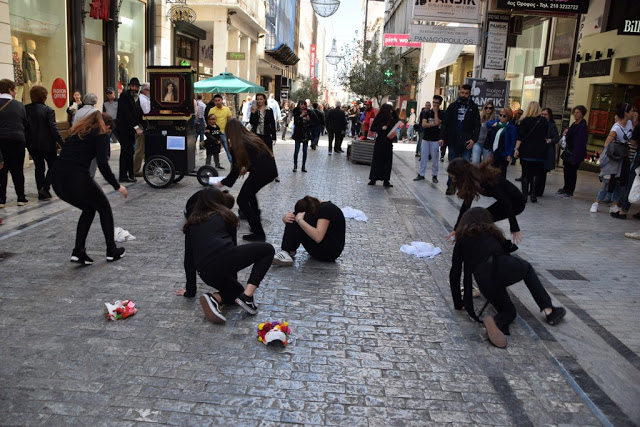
(248,202)
(294,236)
(222,272)
(493,281)
(43,181)
(13,153)
(78,189)
(499,213)
(269,143)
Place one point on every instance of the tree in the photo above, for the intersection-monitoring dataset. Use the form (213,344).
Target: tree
(307,89)
(376,74)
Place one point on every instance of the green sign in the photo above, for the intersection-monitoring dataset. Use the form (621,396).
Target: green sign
(240,56)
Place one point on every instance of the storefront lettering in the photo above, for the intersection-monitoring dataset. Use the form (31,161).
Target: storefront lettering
(465,2)
(99,9)
(631,26)
(570,6)
(59,93)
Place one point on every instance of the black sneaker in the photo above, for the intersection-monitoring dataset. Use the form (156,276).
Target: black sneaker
(115,254)
(22,201)
(247,304)
(434,179)
(418,178)
(557,313)
(80,257)
(44,194)
(387,184)
(449,192)
(211,309)
(254,237)
(219,167)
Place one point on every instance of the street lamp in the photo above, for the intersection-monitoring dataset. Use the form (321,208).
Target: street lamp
(333,57)
(325,8)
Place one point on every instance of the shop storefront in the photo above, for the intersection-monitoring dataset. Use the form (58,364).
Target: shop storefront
(130,54)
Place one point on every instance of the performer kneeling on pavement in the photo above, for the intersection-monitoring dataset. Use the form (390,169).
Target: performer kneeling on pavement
(320,228)
(210,248)
(88,139)
(250,154)
(472,180)
(485,254)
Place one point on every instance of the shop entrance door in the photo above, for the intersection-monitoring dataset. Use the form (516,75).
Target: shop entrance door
(94,64)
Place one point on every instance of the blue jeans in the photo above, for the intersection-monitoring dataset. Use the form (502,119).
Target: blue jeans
(605,189)
(200,130)
(410,132)
(433,148)
(315,135)
(305,145)
(223,137)
(476,152)
(453,154)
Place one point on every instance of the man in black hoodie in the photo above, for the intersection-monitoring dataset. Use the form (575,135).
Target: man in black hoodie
(461,128)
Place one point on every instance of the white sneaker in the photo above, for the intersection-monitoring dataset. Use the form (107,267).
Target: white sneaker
(594,207)
(282,258)
(614,209)
(635,235)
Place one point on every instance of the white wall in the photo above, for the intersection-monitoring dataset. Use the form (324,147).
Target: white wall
(6,63)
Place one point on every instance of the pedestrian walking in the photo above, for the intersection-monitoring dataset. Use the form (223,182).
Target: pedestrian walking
(553,137)
(531,149)
(501,140)
(211,249)
(72,182)
(223,114)
(14,124)
(145,106)
(263,123)
(336,127)
(382,160)
(431,119)
(286,117)
(423,116)
(319,226)
(129,124)
(494,269)
(250,154)
(301,133)
(316,123)
(42,139)
(200,119)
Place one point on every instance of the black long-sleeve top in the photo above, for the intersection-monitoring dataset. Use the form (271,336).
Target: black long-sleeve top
(79,153)
(203,243)
(504,192)
(261,163)
(42,134)
(269,123)
(469,252)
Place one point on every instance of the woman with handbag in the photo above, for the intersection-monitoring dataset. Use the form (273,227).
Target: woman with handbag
(575,151)
(614,162)
(383,147)
(531,149)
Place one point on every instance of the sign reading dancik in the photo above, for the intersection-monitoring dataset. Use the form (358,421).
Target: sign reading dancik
(59,93)
(399,40)
(496,92)
(312,62)
(566,6)
(444,34)
(464,11)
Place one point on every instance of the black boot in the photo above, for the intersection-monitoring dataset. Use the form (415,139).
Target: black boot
(525,187)
(534,189)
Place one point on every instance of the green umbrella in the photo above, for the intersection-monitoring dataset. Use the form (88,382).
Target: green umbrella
(226,83)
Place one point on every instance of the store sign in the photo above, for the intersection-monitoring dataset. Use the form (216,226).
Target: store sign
(496,92)
(631,65)
(398,40)
(99,9)
(464,11)
(312,62)
(631,27)
(565,6)
(595,68)
(59,93)
(239,56)
(495,53)
(444,34)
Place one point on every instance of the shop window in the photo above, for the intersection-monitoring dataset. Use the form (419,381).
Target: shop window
(561,43)
(131,48)
(186,49)
(39,50)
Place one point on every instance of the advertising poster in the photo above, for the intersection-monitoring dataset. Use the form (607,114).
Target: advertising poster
(496,46)
(464,11)
(497,92)
(444,34)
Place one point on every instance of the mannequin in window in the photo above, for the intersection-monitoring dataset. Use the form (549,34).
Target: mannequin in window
(17,52)
(30,65)
(123,70)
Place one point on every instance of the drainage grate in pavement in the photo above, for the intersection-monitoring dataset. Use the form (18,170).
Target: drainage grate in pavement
(404,201)
(567,275)
(5,255)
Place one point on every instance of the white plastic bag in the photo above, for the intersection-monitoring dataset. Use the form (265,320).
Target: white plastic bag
(634,193)
(563,142)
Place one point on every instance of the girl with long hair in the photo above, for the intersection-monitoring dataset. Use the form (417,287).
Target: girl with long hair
(383,149)
(301,133)
(471,181)
(316,225)
(531,149)
(250,154)
(211,249)
(73,183)
(478,151)
(263,123)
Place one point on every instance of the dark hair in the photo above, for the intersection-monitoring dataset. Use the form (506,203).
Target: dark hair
(385,115)
(237,137)
(466,87)
(165,90)
(302,101)
(199,97)
(315,105)
(217,95)
(6,85)
(308,204)
(38,94)
(475,221)
(623,108)
(468,178)
(108,120)
(550,113)
(580,108)
(438,97)
(210,201)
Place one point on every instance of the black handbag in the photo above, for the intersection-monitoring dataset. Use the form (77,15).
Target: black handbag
(619,150)
(566,156)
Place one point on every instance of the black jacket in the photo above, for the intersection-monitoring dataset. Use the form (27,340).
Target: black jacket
(262,166)
(336,120)
(269,123)
(13,121)
(43,133)
(129,113)
(533,134)
(470,125)
(302,125)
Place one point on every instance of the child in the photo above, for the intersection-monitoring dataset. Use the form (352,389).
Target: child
(484,251)
(212,142)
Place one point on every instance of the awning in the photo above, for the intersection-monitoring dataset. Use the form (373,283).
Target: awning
(443,55)
(283,54)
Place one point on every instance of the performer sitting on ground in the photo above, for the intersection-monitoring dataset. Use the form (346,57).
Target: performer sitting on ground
(472,180)
(484,252)
(319,226)
(211,250)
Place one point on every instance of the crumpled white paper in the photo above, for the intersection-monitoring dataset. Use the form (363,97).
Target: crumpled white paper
(421,250)
(356,214)
(213,180)
(121,235)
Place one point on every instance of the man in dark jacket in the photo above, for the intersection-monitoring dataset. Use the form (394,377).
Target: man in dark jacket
(128,124)
(336,127)
(13,122)
(316,117)
(460,128)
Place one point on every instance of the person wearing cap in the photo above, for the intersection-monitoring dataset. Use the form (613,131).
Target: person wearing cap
(128,125)
(370,113)
(145,105)
(110,105)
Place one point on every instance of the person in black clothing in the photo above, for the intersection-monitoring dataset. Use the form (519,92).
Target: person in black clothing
(42,139)
(301,133)
(212,141)
(316,117)
(14,124)
(263,124)
(250,154)
(383,148)
(484,253)
(129,123)
(318,226)
(336,127)
(72,182)
(473,179)
(211,249)
(460,128)
(531,149)
(553,137)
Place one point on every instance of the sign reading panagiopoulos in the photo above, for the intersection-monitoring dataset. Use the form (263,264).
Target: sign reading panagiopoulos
(465,11)
(568,6)
(444,34)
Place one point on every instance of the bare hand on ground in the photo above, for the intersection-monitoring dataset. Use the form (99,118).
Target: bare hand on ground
(180,292)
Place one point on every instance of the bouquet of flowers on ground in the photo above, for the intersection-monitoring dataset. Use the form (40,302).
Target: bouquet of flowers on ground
(120,309)
(274,331)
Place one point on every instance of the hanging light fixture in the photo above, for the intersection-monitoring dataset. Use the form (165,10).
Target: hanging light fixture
(325,8)
(180,12)
(333,57)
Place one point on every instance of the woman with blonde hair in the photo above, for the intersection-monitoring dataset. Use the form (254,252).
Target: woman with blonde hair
(531,148)
(72,182)
(479,151)
(250,154)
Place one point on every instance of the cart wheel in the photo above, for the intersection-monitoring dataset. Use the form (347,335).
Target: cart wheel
(204,173)
(159,172)
(179,176)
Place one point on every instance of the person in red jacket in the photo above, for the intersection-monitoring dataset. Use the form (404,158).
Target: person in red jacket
(370,113)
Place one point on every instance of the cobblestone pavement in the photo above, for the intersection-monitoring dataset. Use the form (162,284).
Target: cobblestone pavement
(375,338)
